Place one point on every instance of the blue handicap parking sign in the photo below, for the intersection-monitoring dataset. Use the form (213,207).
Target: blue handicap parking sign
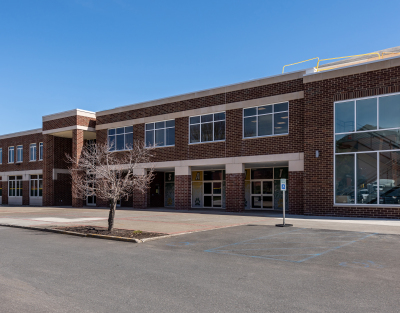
(283,184)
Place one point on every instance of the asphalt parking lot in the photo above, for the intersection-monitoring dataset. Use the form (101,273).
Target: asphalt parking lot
(250,268)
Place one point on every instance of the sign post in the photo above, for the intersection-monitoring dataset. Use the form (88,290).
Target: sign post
(283,189)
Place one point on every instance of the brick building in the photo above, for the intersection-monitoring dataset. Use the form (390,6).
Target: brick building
(334,134)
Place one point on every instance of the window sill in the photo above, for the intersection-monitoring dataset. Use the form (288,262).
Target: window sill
(32,161)
(159,147)
(268,136)
(367,205)
(198,143)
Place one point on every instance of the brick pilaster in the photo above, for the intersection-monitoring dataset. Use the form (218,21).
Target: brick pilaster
(139,200)
(25,192)
(48,166)
(183,192)
(235,195)
(296,193)
(4,184)
(77,146)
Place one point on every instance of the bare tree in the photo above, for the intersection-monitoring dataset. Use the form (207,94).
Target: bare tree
(109,175)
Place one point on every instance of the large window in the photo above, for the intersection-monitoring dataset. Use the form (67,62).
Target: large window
(20,154)
(36,186)
(32,152)
(267,120)
(1,155)
(367,151)
(15,186)
(206,128)
(120,139)
(40,151)
(10,154)
(160,134)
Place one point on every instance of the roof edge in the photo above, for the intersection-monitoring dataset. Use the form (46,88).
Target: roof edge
(23,133)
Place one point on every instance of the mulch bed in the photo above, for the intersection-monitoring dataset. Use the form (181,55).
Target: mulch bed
(127,233)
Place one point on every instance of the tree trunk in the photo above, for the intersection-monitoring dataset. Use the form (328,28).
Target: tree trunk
(111,215)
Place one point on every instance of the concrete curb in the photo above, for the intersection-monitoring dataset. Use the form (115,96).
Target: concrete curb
(50,230)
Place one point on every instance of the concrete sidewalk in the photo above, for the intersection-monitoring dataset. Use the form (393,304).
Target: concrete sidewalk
(173,222)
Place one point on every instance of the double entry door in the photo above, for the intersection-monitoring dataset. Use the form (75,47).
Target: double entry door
(262,194)
(212,194)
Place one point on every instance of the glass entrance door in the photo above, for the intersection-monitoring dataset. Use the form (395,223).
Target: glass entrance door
(262,195)
(213,194)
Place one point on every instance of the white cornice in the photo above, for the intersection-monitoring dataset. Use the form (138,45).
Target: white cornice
(74,112)
(23,133)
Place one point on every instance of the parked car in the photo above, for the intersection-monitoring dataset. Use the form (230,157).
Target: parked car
(392,196)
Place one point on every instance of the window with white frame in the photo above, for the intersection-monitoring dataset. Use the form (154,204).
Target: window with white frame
(160,134)
(207,128)
(367,151)
(267,120)
(19,154)
(32,152)
(40,151)
(15,186)
(1,155)
(121,138)
(36,183)
(10,154)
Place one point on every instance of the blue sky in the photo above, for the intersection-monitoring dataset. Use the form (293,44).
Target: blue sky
(57,55)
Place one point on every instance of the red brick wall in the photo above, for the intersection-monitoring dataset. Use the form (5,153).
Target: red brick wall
(4,184)
(139,200)
(183,191)
(62,190)
(25,141)
(296,193)
(77,146)
(69,121)
(235,195)
(222,98)
(48,166)
(318,135)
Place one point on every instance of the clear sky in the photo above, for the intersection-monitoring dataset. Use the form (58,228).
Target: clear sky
(57,55)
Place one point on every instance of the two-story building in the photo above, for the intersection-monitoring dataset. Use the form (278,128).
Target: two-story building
(332,132)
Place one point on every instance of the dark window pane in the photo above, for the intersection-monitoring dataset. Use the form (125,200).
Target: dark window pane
(170,136)
(160,125)
(389,112)
(344,117)
(208,201)
(344,178)
(217,201)
(279,107)
(207,118)
(120,142)
(265,125)
(195,133)
(111,131)
(267,187)
(250,112)
(389,177)
(366,114)
(267,202)
(111,142)
(265,109)
(366,178)
(160,137)
(256,202)
(120,130)
(262,173)
(207,188)
(369,141)
(256,187)
(281,123)
(129,129)
(195,120)
(128,141)
(150,126)
(250,126)
(219,130)
(149,138)
(170,123)
(217,188)
(206,132)
(212,175)
(219,116)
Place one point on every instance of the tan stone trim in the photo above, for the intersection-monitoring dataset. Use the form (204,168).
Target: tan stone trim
(207,110)
(23,133)
(63,129)
(25,174)
(352,70)
(74,112)
(245,85)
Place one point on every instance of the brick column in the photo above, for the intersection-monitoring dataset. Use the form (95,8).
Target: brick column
(235,194)
(296,193)
(140,199)
(4,184)
(48,166)
(25,192)
(183,188)
(77,145)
